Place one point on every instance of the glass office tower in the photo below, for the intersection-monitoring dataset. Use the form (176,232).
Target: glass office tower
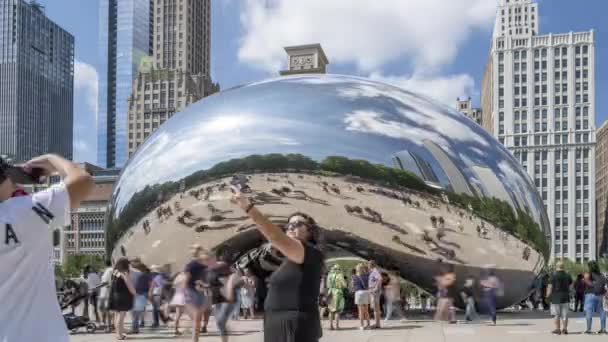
(36,83)
(124,39)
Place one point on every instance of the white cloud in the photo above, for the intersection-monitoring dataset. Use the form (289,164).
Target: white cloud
(367,33)
(85,112)
(85,82)
(443,88)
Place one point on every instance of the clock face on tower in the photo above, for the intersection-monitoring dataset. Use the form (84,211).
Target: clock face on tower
(302,62)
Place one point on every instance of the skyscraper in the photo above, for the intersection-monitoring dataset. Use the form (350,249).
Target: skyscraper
(36,83)
(178,72)
(601,187)
(124,40)
(542,93)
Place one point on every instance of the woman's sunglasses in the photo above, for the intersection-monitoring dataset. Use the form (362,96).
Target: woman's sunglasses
(295,225)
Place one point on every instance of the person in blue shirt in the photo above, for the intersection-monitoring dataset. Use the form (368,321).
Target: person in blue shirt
(360,285)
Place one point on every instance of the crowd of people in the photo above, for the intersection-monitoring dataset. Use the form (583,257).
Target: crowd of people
(207,284)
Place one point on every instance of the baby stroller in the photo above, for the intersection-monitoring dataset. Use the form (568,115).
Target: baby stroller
(73,321)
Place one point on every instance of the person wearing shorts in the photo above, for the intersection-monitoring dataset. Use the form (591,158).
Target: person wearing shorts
(375,291)
(194,287)
(104,296)
(558,291)
(360,283)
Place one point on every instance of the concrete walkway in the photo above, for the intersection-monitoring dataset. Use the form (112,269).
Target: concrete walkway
(512,327)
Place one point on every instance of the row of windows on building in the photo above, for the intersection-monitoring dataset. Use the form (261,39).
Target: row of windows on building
(541,53)
(560,120)
(585,249)
(540,140)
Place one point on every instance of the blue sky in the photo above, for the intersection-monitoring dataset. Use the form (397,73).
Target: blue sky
(436,47)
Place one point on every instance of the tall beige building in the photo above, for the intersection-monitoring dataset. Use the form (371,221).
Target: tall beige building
(178,72)
(601,186)
(539,92)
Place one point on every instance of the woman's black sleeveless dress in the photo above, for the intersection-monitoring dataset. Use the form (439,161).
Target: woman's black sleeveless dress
(121,298)
(291,307)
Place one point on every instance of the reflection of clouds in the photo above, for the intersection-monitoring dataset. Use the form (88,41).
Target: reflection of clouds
(319,116)
(171,156)
(371,122)
(449,124)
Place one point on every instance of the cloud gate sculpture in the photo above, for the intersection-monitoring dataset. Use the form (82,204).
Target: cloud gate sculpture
(388,174)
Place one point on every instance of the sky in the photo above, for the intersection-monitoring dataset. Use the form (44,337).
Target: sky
(435,47)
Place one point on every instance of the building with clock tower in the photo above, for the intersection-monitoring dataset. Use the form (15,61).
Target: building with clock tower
(305,59)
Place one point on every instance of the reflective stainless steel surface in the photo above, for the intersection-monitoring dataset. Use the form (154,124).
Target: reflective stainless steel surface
(388,175)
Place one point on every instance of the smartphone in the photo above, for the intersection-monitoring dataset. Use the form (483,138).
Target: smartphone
(235,188)
(18,175)
(238,183)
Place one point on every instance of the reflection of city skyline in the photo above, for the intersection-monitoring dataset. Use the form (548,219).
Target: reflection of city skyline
(236,125)
(458,182)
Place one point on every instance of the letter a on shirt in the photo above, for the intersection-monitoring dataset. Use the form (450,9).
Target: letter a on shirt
(30,311)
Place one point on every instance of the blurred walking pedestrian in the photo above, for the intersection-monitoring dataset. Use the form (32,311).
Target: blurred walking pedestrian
(142,293)
(445,300)
(491,289)
(157,285)
(194,290)
(375,291)
(179,299)
(392,295)
(468,297)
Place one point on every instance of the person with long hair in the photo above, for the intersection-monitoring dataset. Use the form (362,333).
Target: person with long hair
(595,289)
(291,312)
(248,294)
(122,293)
(579,293)
(360,283)
(179,299)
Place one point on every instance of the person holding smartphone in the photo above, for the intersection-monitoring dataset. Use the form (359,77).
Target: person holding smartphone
(27,286)
(291,312)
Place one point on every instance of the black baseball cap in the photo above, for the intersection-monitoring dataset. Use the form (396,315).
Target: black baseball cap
(15,173)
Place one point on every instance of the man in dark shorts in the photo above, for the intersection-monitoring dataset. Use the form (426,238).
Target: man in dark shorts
(558,292)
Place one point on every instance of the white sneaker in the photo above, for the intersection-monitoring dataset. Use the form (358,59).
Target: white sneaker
(361,328)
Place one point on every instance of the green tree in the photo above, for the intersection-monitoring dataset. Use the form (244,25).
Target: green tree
(74,264)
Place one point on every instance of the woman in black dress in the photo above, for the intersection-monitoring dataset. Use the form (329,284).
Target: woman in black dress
(291,311)
(122,292)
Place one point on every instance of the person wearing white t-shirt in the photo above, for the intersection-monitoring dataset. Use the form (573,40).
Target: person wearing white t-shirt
(30,310)
(93,281)
(104,296)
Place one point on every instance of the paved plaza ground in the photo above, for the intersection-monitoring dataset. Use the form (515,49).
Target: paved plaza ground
(512,327)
